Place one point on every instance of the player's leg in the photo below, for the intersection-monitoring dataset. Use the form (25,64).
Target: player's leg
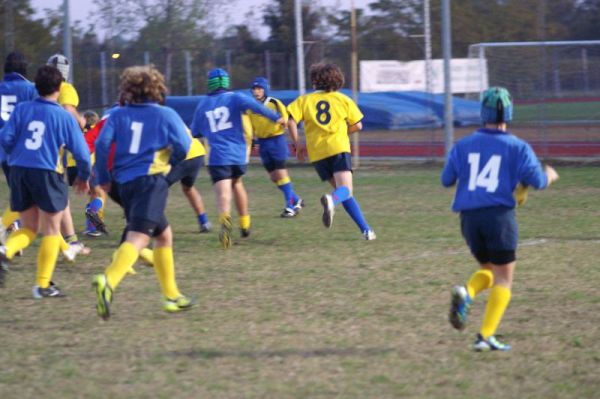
(20,239)
(188,174)
(274,153)
(94,211)
(70,245)
(197,203)
(49,226)
(223,194)
(240,196)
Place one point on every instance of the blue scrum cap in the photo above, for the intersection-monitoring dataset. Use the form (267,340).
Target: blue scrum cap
(262,83)
(496,105)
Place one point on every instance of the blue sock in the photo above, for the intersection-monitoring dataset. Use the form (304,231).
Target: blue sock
(288,193)
(95,205)
(202,218)
(351,206)
(340,194)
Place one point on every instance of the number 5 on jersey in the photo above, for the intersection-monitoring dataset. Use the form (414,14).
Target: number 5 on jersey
(488,177)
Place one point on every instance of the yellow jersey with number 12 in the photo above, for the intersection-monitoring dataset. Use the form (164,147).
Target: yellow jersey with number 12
(326,117)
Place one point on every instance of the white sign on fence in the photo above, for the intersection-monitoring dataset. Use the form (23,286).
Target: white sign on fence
(469,75)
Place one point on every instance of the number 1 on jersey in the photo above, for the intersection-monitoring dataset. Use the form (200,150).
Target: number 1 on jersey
(488,177)
(136,137)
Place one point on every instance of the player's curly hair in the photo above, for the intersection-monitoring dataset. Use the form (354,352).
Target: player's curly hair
(326,77)
(48,80)
(141,84)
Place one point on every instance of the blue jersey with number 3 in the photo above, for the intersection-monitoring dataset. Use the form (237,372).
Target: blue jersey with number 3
(148,138)
(36,133)
(218,117)
(488,165)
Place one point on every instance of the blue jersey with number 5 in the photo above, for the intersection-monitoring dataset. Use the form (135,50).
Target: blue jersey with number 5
(148,139)
(37,133)
(218,117)
(488,165)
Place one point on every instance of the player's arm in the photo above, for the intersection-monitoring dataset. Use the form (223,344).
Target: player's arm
(355,128)
(8,136)
(258,108)
(179,139)
(78,118)
(78,147)
(102,147)
(531,172)
(300,147)
(450,171)
(355,117)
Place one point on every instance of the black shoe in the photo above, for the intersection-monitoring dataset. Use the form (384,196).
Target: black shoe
(96,221)
(245,233)
(288,213)
(51,292)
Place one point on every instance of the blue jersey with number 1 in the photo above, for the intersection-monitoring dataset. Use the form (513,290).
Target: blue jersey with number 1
(218,117)
(148,138)
(488,165)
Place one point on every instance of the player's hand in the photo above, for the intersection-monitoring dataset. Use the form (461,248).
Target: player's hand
(81,186)
(551,173)
(300,151)
(520,194)
(281,121)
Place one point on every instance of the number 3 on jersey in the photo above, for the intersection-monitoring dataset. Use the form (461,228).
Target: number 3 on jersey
(218,119)
(488,177)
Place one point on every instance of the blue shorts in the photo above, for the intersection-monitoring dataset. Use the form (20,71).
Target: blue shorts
(274,152)
(144,200)
(492,234)
(336,163)
(6,170)
(45,189)
(71,175)
(186,171)
(222,172)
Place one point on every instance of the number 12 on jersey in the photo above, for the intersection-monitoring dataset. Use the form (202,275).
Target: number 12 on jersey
(488,177)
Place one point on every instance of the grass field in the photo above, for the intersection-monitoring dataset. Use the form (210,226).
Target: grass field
(559,111)
(298,311)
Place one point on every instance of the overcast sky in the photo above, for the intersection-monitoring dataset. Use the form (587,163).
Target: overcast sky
(81,9)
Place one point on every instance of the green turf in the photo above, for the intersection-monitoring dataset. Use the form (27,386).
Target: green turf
(567,111)
(298,311)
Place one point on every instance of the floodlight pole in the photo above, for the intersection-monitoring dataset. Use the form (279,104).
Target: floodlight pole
(67,47)
(299,46)
(447,51)
(354,66)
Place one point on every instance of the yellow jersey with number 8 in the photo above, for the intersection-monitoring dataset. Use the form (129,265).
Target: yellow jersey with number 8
(326,117)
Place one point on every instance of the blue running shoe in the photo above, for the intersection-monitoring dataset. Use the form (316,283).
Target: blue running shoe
(459,307)
(491,344)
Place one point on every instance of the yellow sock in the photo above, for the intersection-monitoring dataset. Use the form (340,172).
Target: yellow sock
(480,280)
(131,270)
(124,259)
(494,310)
(283,181)
(224,217)
(18,240)
(46,261)
(165,271)
(147,255)
(72,238)
(63,245)
(244,222)
(9,217)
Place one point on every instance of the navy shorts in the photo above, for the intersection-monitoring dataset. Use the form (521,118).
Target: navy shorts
(337,163)
(6,170)
(186,171)
(222,172)
(492,234)
(144,200)
(274,152)
(45,189)
(71,175)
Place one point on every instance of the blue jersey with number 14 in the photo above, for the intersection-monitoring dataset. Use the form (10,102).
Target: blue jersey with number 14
(488,165)
(218,117)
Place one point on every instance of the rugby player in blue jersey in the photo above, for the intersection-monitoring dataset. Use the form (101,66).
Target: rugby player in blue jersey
(147,137)
(218,117)
(488,165)
(34,138)
(15,88)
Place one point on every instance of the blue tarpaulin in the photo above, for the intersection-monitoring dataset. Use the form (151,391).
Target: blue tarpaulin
(383,111)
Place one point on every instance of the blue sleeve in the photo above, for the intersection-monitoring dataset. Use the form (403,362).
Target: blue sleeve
(195,126)
(450,171)
(530,169)
(179,140)
(246,103)
(78,147)
(8,134)
(102,149)
(33,93)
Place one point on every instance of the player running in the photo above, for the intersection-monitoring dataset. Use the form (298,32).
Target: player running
(147,136)
(329,116)
(218,117)
(273,146)
(33,139)
(488,165)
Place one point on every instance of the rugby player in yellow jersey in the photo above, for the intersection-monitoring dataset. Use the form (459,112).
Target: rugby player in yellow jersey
(273,146)
(329,116)
(69,99)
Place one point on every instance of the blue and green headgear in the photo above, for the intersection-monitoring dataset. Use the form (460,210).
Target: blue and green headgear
(262,83)
(218,79)
(496,105)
